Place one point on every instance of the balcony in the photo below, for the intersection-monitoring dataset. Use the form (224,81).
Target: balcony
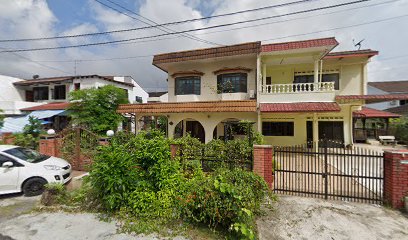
(298,92)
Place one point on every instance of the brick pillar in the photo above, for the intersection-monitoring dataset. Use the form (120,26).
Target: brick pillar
(263,162)
(395,177)
(50,146)
(174,150)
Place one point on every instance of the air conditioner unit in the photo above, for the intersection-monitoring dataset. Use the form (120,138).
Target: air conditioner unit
(394,102)
(251,93)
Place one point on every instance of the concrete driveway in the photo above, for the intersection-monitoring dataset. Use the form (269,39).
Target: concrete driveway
(311,218)
(17,223)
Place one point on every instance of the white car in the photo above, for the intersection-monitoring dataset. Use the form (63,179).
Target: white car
(25,170)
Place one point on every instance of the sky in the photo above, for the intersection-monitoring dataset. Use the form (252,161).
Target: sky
(382,24)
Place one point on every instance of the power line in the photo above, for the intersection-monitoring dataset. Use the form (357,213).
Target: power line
(293,19)
(185,31)
(38,63)
(262,24)
(337,28)
(270,39)
(164,29)
(287,36)
(170,23)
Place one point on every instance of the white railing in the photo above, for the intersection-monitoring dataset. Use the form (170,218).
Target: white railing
(298,88)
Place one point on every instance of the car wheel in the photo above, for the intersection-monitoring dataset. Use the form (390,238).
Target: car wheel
(34,187)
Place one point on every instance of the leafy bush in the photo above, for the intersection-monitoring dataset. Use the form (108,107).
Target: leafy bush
(125,174)
(134,178)
(228,198)
(30,136)
(26,140)
(400,127)
(1,118)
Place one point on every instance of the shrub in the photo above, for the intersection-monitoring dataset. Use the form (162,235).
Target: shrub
(401,129)
(228,198)
(26,140)
(142,165)
(54,192)
(135,178)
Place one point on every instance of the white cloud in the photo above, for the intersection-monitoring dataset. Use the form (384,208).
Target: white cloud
(33,18)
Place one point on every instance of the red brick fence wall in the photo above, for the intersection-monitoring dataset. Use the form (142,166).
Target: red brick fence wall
(52,146)
(395,167)
(395,177)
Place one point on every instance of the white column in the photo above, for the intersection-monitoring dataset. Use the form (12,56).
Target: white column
(264,74)
(184,122)
(315,131)
(208,135)
(136,124)
(258,76)
(316,71)
(259,122)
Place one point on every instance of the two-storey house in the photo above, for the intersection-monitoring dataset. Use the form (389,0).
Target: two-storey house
(390,87)
(57,89)
(293,92)
(48,98)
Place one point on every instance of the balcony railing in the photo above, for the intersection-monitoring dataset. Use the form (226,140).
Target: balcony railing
(298,88)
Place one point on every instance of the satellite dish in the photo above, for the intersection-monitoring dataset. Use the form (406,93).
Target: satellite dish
(36,76)
(358,44)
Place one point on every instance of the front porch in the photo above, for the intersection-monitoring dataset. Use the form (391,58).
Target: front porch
(203,120)
(299,123)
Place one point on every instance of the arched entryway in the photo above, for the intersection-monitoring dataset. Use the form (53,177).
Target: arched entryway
(190,126)
(147,123)
(230,128)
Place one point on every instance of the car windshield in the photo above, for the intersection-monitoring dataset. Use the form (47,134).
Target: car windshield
(27,155)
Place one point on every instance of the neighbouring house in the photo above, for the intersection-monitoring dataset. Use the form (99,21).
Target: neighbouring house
(57,89)
(371,123)
(390,87)
(11,98)
(158,97)
(292,92)
(48,98)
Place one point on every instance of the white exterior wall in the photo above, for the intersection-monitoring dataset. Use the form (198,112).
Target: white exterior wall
(352,79)
(381,105)
(87,83)
(300,119)
(209,79)
(12,98)
(208,120)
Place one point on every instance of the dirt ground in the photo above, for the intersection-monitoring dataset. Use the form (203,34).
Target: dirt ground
(290,218)
(311,218)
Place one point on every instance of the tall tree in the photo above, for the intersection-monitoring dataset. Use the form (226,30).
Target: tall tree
(95,109)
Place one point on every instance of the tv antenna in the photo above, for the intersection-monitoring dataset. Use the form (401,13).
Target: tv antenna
(358,44)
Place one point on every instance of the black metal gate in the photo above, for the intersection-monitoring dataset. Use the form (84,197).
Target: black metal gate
(326,170)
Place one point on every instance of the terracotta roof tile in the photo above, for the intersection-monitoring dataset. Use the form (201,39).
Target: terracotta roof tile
(372,98)
(391,86)
(403,109)
(299,44)
(232,50)
(356,53)
(366,112)
(48,106)
(300,107)
(185,107)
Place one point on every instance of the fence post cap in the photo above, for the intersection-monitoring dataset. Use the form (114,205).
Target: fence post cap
(263,146)
(394,151)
